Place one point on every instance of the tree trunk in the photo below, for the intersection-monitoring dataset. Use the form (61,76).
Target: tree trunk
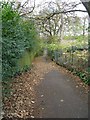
(84,27)
(87,6)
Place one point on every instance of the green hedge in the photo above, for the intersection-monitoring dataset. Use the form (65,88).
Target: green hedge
(18,36)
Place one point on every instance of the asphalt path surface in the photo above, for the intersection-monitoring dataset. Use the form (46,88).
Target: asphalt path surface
(58,97)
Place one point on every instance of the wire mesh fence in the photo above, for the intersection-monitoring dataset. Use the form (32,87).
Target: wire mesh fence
(75,61)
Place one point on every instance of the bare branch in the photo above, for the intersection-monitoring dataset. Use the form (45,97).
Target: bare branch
(59,12)
(28,12)
(26,2)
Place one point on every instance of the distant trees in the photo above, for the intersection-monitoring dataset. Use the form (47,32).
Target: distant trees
(53,26)
(58,19)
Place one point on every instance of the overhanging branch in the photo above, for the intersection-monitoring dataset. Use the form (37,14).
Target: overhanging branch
(54,13)
(59,12)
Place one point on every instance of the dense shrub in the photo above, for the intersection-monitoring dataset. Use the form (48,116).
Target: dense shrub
(18,35)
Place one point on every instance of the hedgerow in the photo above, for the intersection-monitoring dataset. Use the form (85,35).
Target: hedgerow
(18,35)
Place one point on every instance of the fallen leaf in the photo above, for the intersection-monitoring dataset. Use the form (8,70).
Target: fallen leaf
(42,95)
(32,116)
(33,102)
(76,86)
(62,100)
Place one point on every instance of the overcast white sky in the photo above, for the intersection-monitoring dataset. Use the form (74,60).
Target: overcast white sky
(68,1)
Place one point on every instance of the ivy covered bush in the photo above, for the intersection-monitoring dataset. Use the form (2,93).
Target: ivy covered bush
(18,35)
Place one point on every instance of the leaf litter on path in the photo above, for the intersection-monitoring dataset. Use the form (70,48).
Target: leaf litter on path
(22,102)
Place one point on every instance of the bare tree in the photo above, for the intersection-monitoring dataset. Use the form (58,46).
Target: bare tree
(24,8)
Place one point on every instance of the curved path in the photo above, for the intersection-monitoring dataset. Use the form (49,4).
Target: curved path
(46,91)
(59,97)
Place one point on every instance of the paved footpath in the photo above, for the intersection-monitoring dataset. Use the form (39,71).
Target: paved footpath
(46,91)
(58,97)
